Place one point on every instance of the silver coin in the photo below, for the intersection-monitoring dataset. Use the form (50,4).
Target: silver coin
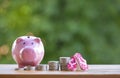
(63,68)
(28,68)
(41,67)
(63,63)
(53,65)
(53,62)
(18,69)
(64,60)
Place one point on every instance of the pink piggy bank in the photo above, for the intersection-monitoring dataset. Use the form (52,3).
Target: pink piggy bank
(27,50)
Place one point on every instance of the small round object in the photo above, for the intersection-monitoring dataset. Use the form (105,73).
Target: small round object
(28,68)
(41,67)
(63,63)
(18,69)
(64,60)
(53,65)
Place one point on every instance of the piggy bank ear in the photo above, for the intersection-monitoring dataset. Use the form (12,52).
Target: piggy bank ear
(37,40)
(19,40)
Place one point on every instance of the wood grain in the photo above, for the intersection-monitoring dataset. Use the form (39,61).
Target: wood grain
(95,71)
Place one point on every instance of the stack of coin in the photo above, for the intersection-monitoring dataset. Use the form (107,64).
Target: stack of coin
(53,65)
(41,67)
(28,68)
(63,63)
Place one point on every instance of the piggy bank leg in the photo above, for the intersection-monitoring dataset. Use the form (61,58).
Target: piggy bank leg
(20,66)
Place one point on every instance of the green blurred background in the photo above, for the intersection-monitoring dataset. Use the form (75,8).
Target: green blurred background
(91,27)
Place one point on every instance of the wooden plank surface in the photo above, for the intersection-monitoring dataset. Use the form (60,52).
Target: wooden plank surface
(95,71)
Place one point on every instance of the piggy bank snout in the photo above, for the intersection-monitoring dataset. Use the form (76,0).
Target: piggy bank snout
(27,54)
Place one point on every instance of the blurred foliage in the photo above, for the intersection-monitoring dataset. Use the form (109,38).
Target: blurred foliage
(91,27)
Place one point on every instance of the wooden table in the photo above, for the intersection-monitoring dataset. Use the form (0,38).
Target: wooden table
(95,71)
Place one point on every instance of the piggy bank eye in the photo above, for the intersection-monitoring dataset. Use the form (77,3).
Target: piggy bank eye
(28,37)
(32,43)
(23,43)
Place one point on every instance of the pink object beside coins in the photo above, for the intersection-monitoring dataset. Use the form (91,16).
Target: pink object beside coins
(27,50)
(77,62)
